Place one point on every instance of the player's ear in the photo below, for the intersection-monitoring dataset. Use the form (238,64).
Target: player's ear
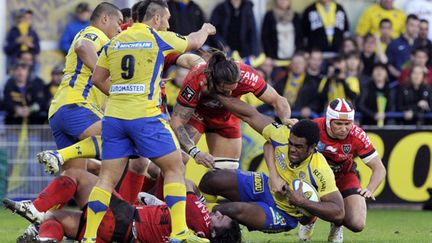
(157,19)
(105,18)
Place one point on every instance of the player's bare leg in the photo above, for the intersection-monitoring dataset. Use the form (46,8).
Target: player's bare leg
(355,213)
(74,156)
(226,151)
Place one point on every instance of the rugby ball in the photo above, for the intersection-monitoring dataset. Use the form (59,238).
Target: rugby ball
(309,192)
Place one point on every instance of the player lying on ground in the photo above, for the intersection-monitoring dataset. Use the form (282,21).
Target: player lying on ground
(290,154)
(197,113)
(150,223)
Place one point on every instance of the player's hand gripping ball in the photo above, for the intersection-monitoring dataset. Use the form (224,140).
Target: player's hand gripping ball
(309,193)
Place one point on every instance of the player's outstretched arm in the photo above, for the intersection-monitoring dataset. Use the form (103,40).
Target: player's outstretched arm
(279,103)
(276,182)
(330,208)
(246,112)
(378,174)
(189,60)
(87,53)
(198,38)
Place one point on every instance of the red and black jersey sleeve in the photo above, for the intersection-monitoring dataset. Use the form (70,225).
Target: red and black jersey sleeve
(361,143)
(191,88)
(170,60)
(197,215)
(251,80)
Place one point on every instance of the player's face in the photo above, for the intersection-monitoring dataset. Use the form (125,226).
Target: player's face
(298,149)
(163,21)
(220,221)
(341,128)
(113,24)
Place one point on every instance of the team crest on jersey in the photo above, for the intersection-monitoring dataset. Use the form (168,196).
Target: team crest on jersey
(90,36)
(320,146)
(188,93)
(346,148)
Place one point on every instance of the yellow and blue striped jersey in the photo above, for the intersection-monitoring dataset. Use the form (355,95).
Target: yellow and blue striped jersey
(76,85)
(314,170)
(135,61)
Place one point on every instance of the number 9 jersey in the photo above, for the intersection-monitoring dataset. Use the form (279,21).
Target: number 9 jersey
(135,60)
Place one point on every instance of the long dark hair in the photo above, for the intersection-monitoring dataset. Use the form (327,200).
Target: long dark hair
(221,69)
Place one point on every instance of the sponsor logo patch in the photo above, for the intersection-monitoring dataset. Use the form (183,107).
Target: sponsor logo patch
(90,36)
(188,93)
(258,183)
(127,89)
(180,36)
(133,45)
(277,125)
(280,158)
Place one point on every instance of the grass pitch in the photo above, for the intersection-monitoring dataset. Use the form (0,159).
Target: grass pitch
(382,226)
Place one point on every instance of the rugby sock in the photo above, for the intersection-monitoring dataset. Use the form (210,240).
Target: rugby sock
(87,148)
(159,192)
(175,198)
(51,229)
(148,184)
(131,186)
(56,194)
(98,204)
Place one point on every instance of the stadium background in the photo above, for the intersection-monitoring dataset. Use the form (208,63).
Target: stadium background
(406,153)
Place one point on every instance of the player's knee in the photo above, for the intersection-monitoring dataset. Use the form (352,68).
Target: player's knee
(139,165)
(356,226)
(74,173)
(209,181)
(173,169)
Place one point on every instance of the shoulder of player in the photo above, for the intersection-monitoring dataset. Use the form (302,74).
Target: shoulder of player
(92,33)
(319,164)
(249,77)
(194,78)
(358,135)
(277,132)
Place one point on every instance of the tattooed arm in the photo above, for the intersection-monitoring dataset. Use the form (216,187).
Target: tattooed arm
(180,116)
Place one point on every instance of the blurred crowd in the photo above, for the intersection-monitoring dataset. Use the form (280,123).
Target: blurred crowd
(383,65)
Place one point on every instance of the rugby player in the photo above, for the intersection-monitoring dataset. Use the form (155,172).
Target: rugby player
(83,149)
(151,223)
(340,142)
(290,154)
(75,111)
(196,113)
(133,122)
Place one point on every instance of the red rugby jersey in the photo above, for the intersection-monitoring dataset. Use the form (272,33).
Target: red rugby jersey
(191,95)
(340,154)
